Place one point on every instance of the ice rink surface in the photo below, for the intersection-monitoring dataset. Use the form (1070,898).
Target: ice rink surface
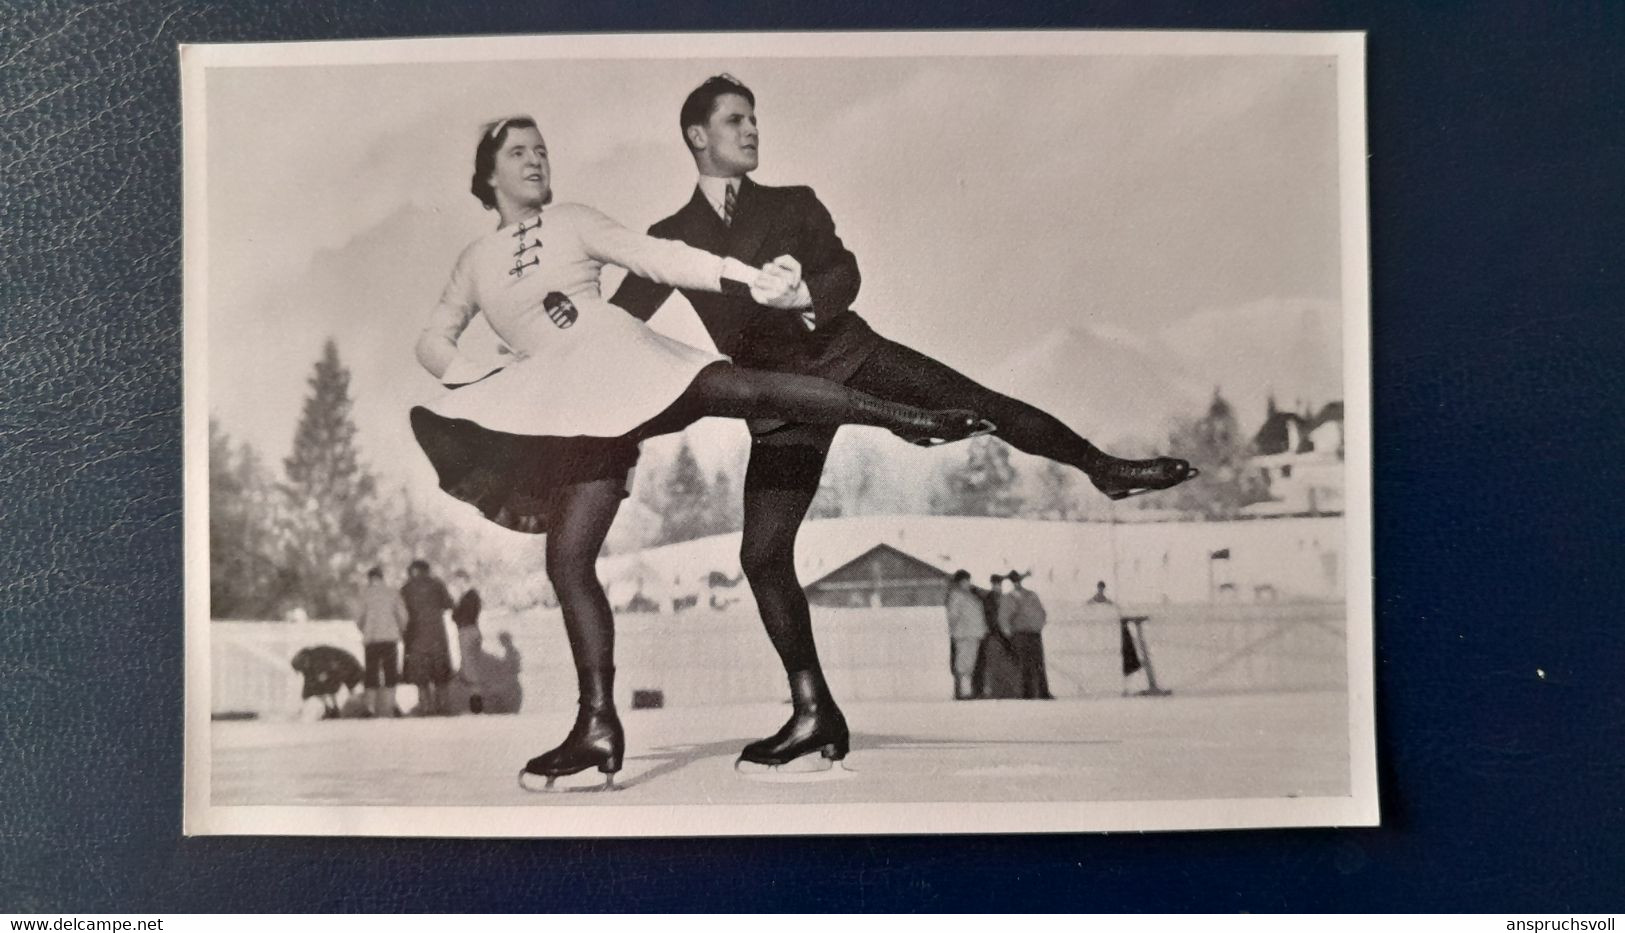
(1135,748)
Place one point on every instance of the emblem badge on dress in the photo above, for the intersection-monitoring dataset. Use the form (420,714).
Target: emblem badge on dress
(560,310)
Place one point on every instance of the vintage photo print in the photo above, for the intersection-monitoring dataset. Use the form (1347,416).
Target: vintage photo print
(768,434)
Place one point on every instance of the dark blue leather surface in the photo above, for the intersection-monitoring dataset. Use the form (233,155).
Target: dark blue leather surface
(1497,140)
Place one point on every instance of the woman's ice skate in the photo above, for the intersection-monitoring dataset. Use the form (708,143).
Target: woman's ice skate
(596,741)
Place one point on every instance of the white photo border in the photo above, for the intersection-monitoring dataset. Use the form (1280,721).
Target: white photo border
(1359,808)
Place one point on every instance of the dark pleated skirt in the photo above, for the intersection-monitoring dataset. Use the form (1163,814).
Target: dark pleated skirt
(517,480)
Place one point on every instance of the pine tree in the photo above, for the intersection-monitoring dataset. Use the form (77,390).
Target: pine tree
(727,510)
(827,502)
(229,535)
(243,576)
(402,533)
(226,532)
(848,484)
(1057,494)
(684,499)
(328,494)
(1215,443)
(985,484)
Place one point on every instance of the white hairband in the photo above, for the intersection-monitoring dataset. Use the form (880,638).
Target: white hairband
(502,124)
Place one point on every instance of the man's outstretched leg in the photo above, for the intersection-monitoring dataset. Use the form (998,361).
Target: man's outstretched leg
(900,374)
(780,484)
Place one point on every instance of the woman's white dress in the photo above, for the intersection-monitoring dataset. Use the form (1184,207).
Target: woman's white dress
(585,372)
(586,367)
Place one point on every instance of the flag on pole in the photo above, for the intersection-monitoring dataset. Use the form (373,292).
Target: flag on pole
(1223,554)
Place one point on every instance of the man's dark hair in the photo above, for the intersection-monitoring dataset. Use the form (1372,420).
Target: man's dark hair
(702,101)
(376,573)
(485,156)
(960,576)
(418,567)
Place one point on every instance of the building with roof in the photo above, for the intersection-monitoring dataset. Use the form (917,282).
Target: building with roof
(880,577)
(1300,456)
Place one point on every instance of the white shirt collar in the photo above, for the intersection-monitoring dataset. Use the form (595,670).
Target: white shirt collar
(716,191)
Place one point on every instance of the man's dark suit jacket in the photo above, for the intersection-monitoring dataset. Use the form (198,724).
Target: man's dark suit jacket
(768,223)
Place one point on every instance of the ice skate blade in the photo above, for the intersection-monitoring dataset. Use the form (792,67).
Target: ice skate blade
(536,785)
(808,769)
(1118,495)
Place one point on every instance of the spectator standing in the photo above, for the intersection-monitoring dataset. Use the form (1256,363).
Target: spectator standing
(1022,617)
(381,618)
(466,616)
(1001,674)
(967,627)
(428,653)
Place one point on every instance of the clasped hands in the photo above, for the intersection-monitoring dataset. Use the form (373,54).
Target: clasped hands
(779,285)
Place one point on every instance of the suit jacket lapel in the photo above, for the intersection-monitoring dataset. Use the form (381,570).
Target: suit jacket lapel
(751,222)
(701,227)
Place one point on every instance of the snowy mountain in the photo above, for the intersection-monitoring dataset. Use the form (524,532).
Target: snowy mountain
(1103,386)
(1293,348)
(1111,384)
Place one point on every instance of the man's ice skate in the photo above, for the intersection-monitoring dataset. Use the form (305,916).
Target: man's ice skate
(814,741)
(813,767)
(1122,479)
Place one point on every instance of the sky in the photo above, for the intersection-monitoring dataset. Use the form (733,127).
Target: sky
(992,202)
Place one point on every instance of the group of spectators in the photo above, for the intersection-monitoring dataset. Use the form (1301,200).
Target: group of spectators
(410,616)
(997,643)
(996,638)
(414,615)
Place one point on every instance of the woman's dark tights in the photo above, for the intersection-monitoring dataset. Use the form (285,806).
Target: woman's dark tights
(573,542)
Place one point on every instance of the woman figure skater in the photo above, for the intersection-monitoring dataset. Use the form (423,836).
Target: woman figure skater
(545,445)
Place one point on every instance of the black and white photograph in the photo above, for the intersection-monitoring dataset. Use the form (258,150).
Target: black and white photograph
(795,433)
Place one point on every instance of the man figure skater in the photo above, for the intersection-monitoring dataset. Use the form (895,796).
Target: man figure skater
(810,328)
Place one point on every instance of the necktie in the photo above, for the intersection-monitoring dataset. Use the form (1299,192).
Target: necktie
(728,207)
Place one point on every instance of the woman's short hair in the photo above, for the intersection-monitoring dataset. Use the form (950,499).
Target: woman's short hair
(485,155)
(703,100)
